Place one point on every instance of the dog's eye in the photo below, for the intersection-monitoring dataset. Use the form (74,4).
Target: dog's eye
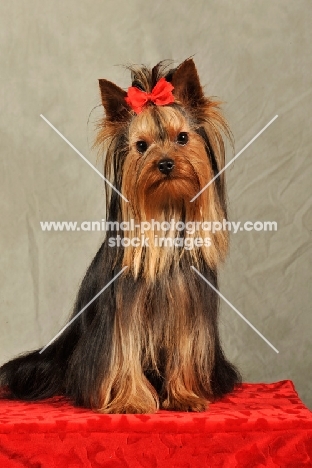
(182,138)
(141,146)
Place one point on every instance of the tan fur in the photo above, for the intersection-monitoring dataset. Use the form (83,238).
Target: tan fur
(171,195)
(137,343)
(162,327)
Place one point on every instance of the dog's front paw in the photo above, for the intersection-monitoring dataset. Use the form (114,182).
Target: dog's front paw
(192,403)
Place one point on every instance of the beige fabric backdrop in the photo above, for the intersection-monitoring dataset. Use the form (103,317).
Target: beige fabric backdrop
(254,55)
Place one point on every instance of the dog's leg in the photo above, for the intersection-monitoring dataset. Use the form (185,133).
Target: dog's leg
(179,395)
(190,338)
(125,388)
(187,386)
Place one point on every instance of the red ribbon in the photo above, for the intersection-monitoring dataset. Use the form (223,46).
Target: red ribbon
(161,95)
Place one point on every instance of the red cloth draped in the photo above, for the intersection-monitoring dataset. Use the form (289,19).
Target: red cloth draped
(258,425)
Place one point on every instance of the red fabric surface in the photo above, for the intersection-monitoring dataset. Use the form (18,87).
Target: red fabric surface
(258,425)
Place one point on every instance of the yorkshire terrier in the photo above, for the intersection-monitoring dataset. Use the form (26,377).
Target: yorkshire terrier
(150,341)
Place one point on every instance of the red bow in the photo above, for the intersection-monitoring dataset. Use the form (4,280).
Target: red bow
(161,95)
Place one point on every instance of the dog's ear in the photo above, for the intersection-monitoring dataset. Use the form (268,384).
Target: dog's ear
(113,100)
(187,87)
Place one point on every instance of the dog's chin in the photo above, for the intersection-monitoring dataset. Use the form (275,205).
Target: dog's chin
(169,196)
(171,191)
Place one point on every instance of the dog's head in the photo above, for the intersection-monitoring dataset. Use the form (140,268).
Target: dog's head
(164,143)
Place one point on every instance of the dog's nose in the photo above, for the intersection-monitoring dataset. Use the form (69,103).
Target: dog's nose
(166,165)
